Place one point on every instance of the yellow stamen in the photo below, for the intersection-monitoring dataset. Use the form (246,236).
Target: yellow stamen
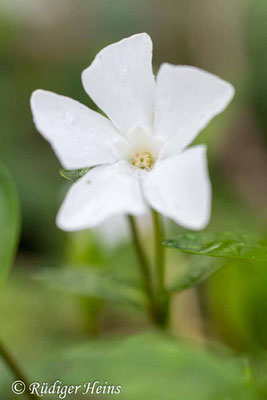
(143,160)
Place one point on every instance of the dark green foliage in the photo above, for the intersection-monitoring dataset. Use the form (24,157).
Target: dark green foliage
(9,222)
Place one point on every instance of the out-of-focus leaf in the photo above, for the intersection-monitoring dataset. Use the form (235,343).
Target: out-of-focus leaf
(257,369)
(92,282)
(238,316)
(73,175)
(226,245)
(150,366)
(194,272)
(9,222)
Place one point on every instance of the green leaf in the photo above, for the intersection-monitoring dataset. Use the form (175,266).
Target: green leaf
(149,366)
(226,245)
(194,272)
(93,282)
(73,175)
(9,223)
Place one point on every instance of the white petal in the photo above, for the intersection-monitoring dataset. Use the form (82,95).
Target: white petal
(79,136)
(187,98)
(179,188)
(103,192)
(115,230)
(121,82)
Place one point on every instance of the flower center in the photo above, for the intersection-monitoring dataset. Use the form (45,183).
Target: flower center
(143,160)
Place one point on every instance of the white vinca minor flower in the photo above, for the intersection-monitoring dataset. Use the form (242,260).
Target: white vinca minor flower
(138,153)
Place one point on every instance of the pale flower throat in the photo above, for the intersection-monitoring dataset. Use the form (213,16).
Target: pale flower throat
(143,160)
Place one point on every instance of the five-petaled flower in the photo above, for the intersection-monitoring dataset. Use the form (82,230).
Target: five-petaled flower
(139,154)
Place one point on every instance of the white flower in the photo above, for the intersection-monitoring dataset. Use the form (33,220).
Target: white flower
(139,155)
(115,230)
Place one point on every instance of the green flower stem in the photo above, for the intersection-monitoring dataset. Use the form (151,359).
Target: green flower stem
(158,300)
(145,268)
(159,251)
(162,298)
(15,369)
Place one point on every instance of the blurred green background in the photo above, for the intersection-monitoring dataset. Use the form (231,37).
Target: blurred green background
(46,44)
